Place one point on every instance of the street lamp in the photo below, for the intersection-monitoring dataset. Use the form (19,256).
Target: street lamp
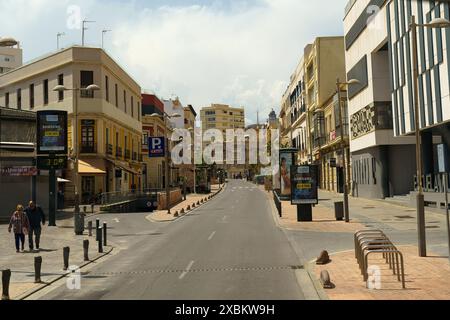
(195,166)
(339,86)
(435,23)
(165,116)
(61,88)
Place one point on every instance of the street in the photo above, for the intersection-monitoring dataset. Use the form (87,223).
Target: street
(230,248)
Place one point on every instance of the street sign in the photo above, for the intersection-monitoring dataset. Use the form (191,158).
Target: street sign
(443,158)
(304,185)
(51,132)
(156,147)
(52,163)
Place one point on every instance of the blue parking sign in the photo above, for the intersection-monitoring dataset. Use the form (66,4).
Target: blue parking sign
(156,147)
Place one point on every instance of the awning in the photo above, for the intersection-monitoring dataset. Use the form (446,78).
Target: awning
(91,166)
(61,180)
(124,166)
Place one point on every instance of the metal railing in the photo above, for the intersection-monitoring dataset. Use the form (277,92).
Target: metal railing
(119,152)
(109,149)
(371,241)
(122,196)
(277,201)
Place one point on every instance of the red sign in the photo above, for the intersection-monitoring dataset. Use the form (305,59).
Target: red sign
(19,171)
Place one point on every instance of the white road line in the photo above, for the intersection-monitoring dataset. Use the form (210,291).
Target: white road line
(211,236)
(116,220)
(187,270)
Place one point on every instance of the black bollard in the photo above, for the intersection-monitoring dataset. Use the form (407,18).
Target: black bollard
(37,269)
(86,250)
(100,242)
(90,228)
(6,278)
(97,226)
(66,252)
(105,231)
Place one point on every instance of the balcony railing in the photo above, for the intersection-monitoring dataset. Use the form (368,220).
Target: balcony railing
(140,157)
(109,149)
(134,157)
(88,148)
(127,154)
(119,153)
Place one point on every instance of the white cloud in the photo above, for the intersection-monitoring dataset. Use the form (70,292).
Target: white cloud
(242,55)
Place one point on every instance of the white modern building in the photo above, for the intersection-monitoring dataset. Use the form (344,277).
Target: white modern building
(10,54)
(175,107)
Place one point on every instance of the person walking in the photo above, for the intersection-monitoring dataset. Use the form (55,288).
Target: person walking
(20,225)
(35,216)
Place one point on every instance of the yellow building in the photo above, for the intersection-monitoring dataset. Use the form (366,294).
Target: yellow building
(109,127)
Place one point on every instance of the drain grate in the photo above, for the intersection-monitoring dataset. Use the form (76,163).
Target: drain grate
(167,271)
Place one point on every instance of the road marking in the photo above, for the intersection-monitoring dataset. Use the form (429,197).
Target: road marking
(187,270)
(117,220)
(211,236)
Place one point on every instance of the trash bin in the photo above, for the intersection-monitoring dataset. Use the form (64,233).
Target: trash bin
(339,210)
(79,223)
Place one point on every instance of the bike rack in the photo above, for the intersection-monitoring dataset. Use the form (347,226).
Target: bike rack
(371,241)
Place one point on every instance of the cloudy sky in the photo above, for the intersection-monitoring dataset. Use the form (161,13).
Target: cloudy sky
(236,52)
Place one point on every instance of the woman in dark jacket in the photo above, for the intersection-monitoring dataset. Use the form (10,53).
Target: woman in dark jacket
(20,225)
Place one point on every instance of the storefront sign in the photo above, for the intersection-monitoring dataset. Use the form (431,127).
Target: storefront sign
(19,171)
(304,185)
(286,161)
(51,132)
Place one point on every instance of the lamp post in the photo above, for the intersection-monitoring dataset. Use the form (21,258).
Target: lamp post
(61,88)
(435,23)
(165,117)
(195,166)
(339,86)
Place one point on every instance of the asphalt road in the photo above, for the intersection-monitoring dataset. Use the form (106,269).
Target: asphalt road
(228,249)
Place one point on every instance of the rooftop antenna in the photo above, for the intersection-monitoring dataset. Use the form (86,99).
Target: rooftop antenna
(103,36)
(58,36)
(84,28)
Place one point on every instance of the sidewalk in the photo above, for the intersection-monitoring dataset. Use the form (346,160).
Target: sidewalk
(162,216)
(53,240)
(426,278)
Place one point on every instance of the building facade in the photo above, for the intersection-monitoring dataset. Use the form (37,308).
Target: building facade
(378,149)
(109,120)
(10,55)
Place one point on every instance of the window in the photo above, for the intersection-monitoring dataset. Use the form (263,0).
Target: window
(87,136)
(7,100)
(107,88)
(46,92)
(116,92)
(86,79)
(61,83)
(132,107)
(145,139)
(19,99)
(31,96)
(125,100)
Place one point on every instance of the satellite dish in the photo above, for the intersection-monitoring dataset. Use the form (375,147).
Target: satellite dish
(8,42)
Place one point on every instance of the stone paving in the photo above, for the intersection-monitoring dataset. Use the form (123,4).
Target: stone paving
(53,240)
(426,278)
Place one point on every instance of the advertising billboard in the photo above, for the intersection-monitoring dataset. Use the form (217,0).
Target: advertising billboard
(51,132)
(286,161)
(304,185)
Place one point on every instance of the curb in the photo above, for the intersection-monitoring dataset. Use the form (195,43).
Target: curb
(34,291)
(149,217)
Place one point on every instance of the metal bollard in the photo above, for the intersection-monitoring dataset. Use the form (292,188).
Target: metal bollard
(37,269)
(66,252)
(90,228)
(105,231)
(100,242)
(6,278)
(86,250)
(97,226)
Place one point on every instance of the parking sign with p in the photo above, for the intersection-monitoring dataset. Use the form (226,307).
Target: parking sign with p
(156,146)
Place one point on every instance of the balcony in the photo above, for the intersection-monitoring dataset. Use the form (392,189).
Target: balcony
(109,149)
(134,157)
(141,159)
(88,148)
(127,154)
(119,153)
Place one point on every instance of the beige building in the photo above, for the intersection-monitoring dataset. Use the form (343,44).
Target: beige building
(223,117)
(109,120)
(187,171)
(10,55)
